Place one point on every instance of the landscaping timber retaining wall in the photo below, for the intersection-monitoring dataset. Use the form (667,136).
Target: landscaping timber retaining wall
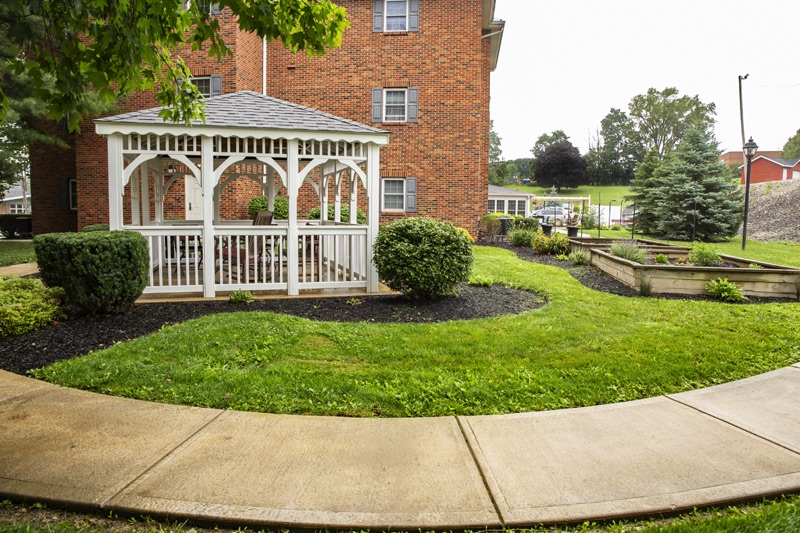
(769,280)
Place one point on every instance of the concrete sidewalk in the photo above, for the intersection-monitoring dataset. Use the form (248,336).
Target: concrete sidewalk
(22,270)
(726,443)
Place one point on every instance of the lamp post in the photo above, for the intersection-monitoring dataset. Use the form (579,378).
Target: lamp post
(749,150)
(609,212)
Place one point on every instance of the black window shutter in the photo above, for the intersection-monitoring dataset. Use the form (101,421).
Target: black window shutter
(413,15)
(413,104)
(377,105)
(216,85)
(215,10)
(63,194)
(411,195)
(377,15)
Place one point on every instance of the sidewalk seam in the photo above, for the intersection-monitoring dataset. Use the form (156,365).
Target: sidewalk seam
(732,424)
(160,460)
(481,472)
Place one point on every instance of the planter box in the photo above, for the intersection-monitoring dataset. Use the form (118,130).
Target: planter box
(772,281)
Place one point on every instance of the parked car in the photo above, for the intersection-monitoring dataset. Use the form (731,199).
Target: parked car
(550,215)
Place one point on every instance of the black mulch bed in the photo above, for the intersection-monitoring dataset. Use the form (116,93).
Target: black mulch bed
(79,335)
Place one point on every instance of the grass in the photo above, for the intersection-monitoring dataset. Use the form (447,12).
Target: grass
(777,515)
(604,194)
(13,252)
(584,348)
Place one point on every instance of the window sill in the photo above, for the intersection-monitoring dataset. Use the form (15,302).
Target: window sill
(396,32)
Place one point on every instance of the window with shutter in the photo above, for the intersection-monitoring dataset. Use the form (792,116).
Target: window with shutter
(411,195)
(208,85)
(395,16)
(395,105)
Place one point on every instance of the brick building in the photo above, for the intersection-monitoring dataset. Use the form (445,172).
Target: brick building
(417,69)
(765,168)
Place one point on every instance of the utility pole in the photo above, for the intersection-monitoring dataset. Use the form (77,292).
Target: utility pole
(741,115)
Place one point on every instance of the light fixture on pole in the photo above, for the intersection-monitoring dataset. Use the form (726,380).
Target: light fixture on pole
(749,150)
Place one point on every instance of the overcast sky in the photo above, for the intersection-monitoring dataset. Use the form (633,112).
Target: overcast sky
(565,63)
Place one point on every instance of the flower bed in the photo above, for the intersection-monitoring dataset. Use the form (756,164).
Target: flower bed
(754,278)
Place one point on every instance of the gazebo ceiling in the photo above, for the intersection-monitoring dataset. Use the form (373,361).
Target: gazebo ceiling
(248,113)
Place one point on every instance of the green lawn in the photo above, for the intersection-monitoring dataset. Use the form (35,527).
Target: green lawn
(13,252)
(603,194)
(583,348)
(778,515)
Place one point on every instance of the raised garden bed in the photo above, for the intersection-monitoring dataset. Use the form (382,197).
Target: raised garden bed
(767,280)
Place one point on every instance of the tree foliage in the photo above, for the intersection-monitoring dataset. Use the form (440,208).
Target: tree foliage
(561,166)
(546,139)
(68,50)
(643,192)
(613,158)
(660,119)
(495,152)
(693,194)
(792,147)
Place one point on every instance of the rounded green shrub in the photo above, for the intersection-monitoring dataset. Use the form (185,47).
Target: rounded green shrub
(556,244)
(422,257)
(100,271)
(344,214)
(26,304)
(261,203)
(489,228)
(703,255)
(521,237)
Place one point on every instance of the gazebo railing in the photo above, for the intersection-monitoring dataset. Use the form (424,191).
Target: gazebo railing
(333,256)
(255,257)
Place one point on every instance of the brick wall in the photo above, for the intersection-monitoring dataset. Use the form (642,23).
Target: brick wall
(447,149)
(51,170)
(763,170)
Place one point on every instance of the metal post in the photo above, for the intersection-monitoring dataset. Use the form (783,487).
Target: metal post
(633,221)
(599,213)
(741,112)
(746,201)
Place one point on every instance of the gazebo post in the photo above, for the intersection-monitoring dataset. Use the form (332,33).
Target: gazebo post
(292,171)
(373,205)
(115,173)
(207,178)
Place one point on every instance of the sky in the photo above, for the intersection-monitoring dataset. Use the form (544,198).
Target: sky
(565,63)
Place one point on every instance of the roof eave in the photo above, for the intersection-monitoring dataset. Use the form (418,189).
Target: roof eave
(127,128)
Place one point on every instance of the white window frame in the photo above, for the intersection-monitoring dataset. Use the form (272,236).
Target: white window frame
(492,205)
(384,195)
(386,15)
(73,194)
(394,118)
(16,208)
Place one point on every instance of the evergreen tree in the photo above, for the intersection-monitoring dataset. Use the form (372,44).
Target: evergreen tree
(693,195)
(643,192)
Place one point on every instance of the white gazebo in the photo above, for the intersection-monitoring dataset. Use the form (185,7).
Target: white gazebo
(273,143)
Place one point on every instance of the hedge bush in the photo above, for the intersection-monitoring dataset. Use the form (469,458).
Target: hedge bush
(521,237)
(422,257)
(95,227)
(26,304)
(528,223)
(100,271)
(344,214)
(261,203)
(556,244)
